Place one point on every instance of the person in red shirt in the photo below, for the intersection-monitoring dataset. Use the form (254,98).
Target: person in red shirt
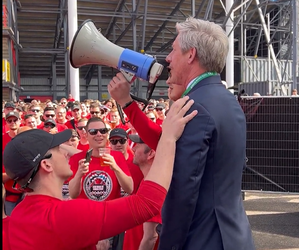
(76,116)
(5,221)
(13,197)
(160,111)
(81,130)
(35,110)
(44,221)
(118,139)
(98,182)
(143,236)
(49,113)
(60,112)
(8,107)
(70,98)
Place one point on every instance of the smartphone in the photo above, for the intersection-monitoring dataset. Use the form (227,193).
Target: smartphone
(88,155)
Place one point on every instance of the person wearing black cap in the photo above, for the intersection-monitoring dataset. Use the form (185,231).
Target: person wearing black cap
(76,116)
(38,162)
(118,139)
(160,111)
(50,126)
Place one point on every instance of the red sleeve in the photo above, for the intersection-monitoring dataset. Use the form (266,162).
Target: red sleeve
(101,220)
(148,130)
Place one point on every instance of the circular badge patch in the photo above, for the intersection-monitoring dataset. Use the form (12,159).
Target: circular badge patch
(97,185)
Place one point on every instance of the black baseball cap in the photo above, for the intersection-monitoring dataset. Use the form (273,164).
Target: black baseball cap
(136,139)
(23,153)
(118,132)
(10,105)
(50,121)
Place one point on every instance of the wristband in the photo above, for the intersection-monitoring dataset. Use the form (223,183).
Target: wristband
(127,104)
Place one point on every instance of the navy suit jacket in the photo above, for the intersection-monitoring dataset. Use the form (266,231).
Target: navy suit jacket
(204,209)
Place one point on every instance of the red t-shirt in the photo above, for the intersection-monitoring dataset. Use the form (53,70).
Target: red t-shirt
(4,126)
(69,124)
(135,171)
(5,245)
(5,139)
(12,194)
(134,236)
(83,147)
(100,183)
(44,222)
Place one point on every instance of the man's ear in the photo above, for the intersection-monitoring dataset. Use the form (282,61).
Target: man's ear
(151,154)
(192,55)
(46,165)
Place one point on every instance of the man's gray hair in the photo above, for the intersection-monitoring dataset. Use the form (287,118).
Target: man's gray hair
(208,38)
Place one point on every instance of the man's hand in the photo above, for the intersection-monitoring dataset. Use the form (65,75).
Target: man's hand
(103,245)
(83,168)
(119,89)
(175,121)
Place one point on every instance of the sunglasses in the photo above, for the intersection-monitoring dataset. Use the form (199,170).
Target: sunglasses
(49,116)
(49,126)
(121,141)
(152,118)
(35,110)
(10,121)
(80,128)
(159,109)
(63,102)
(97,112)
(94,131)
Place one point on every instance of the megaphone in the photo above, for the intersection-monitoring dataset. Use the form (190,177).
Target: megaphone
(89,47)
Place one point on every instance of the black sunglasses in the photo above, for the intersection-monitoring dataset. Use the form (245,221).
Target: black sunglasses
(97,112)
(51,115)
(49,125)
(10,121)
(121,141)
(94,131)
(81,127)
(159,109)
(35,110)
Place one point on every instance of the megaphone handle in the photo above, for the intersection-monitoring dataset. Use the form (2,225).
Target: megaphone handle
(138,99)
(121,114)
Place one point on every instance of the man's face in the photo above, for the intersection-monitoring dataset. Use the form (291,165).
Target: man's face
(95,138)
(35,111)
(140,155)
(121,144)
(7,110)
(49,127)
(31,122)
(178,70)
(81,129)
(76,113)
(97,112)
(49,114)
(13,122)
(114,117)
(60,163)
(60,113)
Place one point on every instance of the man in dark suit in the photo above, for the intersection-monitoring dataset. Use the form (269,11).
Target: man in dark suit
(203,208)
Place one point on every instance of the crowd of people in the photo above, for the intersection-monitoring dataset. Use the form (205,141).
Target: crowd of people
(169,177)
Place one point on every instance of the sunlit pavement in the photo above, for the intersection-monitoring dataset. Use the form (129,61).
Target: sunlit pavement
(274,220)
